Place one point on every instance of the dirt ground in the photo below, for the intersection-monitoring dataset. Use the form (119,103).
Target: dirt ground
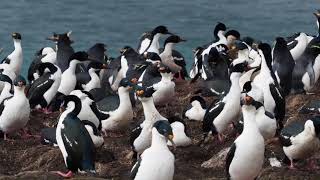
(28,159)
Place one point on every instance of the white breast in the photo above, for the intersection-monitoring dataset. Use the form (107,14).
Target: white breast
(15,114)
(156,165)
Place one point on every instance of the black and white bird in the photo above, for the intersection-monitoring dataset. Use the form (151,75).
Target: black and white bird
(306,70)
(156,162)
(149,41)
(64,49)
(15,110)
(44,55)
(213,69)
(167,56)
(196,109)
(301,140)
(273,97)
(120,117)
(15,59)
(44,89)
(282,64)
(297,43)
(179,129)
(266,121)
(221,113)
(219,37)
(165,88)
(140,137)
(246,155)
(131,65)
(68,79)
(74,140)
(90,79)
(89,115)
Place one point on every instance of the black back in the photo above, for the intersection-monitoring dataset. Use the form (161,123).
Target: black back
(229,158)
(79,146)
(283,64)
(211,113)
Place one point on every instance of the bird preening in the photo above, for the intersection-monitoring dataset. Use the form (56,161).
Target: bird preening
(147,98)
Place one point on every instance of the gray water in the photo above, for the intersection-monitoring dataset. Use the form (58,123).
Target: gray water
(120,22)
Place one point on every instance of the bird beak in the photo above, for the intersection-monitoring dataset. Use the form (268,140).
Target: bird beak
(140,92)
(62,109)
(20,84)
(317,14)
(134,80)
(247,100)
(183,40)
(170,138)
(52,38)
(162,69)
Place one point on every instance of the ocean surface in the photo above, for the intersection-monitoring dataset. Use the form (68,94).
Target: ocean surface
(121,22)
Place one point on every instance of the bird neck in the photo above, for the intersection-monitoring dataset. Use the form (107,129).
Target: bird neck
(220,36)
(93,74)
(124,97)
(234,78)
(74,108)
(158,141)
(235,86)
(72,66)
(149,109)
(249,119)
(19,91)
(168,49)
(166,77)
(17,44)
(154,47)
(264,66)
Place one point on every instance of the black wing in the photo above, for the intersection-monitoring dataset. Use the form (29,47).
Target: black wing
(100,115)
(134,134)
(151,76)
(109,103)
(180,61)
(229,158)
(98,94)
(78,144)
(144,36)
(291,130)
(280,109)
(38,88)
(48,136)
(135,169)
(135,70)
(82,78)
(34,66)
(212,112)
(63,54)
(2,104)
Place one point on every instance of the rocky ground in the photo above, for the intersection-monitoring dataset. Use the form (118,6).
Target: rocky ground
(28,159)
